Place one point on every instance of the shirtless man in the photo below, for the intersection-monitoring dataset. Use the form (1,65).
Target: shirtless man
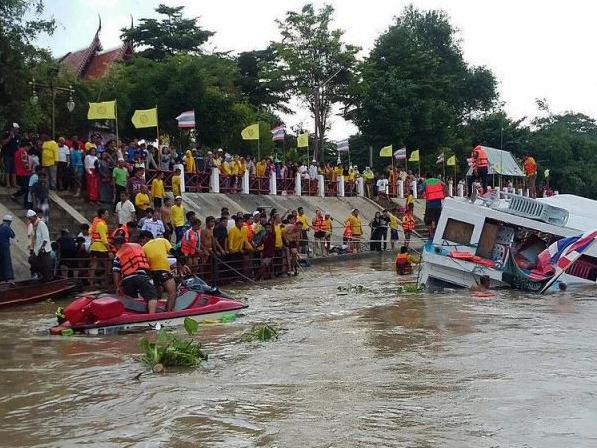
(208,243)
(291,236)
(166,208)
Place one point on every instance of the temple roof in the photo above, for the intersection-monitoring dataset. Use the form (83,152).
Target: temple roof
(91,62)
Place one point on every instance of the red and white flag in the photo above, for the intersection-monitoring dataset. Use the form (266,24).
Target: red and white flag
(278,133)
(186,119)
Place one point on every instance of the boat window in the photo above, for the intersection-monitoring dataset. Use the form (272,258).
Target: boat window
(459,232)
(488,239)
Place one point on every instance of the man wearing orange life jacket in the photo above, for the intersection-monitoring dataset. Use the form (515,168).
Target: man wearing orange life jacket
(480,165)
(408,224)
(434,195)
(130,270)
(404,262)
(530,169)
(125,231)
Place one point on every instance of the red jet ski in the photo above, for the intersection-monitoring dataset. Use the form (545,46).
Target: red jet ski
(109,314)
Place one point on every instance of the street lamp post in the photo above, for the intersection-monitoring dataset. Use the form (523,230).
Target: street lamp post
(70,104)
(316,111)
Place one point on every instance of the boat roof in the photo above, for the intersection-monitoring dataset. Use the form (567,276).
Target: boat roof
(500,162)
(582,211)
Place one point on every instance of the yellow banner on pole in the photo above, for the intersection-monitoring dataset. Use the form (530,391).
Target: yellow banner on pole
(250,132)
(302,140)
(147,118)
(414,156)
(105,110)
(386,151)
(451,161)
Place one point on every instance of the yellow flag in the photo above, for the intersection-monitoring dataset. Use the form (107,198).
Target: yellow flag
(101,111)
(250,132)
(147,118)
(386,151)
(451,161)
(302,141)
(414,156)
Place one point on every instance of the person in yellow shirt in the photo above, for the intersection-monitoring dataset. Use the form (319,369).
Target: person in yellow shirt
(157,190)
(260,168)
(176,184)
(356,227)
(238,243)
(177,217)
(394,223)
(49,159)
(368,179)
(142,201)
(303,222)
(189,162)
(337,172)
(157,251)
(328,228)
(99,250)
(225,173)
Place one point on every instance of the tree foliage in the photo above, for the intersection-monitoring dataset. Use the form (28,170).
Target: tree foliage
(21,21)
(313,55)
(415,87)
(172,34)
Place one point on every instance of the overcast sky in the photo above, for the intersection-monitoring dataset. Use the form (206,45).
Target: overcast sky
(536,49)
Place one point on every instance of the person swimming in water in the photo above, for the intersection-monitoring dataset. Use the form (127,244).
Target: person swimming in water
(483,285)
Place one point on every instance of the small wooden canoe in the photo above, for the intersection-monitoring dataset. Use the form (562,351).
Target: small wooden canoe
(28,291)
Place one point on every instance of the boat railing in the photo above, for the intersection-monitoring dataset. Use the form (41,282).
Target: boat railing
(534,209)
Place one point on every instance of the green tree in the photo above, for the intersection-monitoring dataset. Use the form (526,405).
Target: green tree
(415,87)
(21,22)
(315,61)
(261,80)
(172,34)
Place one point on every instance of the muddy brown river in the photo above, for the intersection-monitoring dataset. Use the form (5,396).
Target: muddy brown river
(369,369)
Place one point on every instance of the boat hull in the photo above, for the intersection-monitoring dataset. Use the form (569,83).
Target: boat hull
(30,291)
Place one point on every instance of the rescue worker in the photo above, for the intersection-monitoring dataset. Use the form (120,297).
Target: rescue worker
(190,245)
(530,170)
(99,250)
(319,229)
(404,262)
(156,251)
(356,230)
(435,192)
(408,224)
(483,285)
(130,270)
(125,231)
(480,164)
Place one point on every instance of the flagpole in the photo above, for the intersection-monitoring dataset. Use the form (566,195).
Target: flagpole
(116,119)
(157,130)
(394,177)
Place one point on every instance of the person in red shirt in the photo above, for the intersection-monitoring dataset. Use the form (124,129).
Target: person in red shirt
(23,172)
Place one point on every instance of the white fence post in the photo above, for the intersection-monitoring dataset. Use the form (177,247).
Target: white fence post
(273,183)
(450,189)
(414,187)
(460,189)
(401,189)
(520,191)
(321,185)
(340,186)
(298,189)
(360,187)
(214,180)
(245,182)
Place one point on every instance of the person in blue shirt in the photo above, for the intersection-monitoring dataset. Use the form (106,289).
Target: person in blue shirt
(6,234)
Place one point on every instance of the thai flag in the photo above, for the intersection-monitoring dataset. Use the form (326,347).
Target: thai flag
(562,254)
(400,154)
(186,119)
(342,146)
(440,158)
(278,133)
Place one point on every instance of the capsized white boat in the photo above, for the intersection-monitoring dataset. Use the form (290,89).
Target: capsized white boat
(502,238)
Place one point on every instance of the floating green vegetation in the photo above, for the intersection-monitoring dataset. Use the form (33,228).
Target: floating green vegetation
(170,350)
(262,333)
(410,288)
(357,289)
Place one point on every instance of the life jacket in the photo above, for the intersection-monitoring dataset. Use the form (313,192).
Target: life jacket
(190,242)
(408,222)
(123,231)
(403,265)
(132,259)
(250,232)
(347,231)
(481,161)
(95,236)
(434,189)
(530,167)
(319,224)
